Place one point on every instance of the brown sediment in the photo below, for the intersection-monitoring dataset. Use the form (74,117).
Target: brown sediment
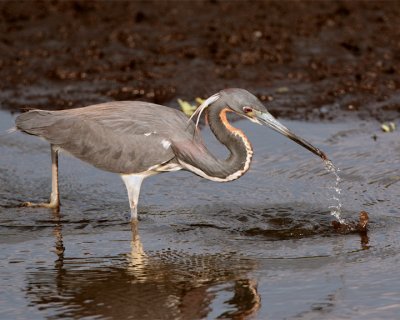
(305,60)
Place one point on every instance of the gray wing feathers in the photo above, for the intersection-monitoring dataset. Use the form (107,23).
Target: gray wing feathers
(117,137)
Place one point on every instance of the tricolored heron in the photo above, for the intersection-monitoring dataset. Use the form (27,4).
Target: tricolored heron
(139,139)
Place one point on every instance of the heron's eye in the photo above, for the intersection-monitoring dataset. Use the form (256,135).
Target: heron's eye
(247,110)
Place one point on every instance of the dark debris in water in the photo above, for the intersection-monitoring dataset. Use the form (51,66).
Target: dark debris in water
(360,226)
(278,228)
(285,234)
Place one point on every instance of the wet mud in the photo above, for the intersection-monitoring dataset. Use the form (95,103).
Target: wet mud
(306,60)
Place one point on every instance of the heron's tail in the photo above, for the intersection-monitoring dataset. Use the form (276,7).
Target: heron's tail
(33,122)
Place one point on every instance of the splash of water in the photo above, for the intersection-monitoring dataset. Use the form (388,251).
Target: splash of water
(336,209)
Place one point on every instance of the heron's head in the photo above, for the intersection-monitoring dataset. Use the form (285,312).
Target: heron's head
(249,106)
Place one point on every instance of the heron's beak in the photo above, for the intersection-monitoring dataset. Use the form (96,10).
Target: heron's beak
(267,119)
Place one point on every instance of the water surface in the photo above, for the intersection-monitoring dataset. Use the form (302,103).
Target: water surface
(260,247)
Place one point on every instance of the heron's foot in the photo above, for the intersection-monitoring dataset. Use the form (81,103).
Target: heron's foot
(50,205)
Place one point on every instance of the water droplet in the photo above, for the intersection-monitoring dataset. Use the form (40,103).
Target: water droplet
(336,209)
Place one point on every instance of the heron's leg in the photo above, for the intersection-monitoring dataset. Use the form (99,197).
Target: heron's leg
(133,183)
(54,197)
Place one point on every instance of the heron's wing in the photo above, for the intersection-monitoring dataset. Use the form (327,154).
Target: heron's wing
(135,117)
(123,139)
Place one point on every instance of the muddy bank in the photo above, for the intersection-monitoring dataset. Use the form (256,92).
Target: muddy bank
(308,60)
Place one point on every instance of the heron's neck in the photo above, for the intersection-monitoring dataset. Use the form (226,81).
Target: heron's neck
(235,140)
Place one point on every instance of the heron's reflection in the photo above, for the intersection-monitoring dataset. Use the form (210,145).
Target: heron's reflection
(164,284)
(59,244)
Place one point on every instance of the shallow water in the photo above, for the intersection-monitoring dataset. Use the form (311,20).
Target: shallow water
(261,246)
